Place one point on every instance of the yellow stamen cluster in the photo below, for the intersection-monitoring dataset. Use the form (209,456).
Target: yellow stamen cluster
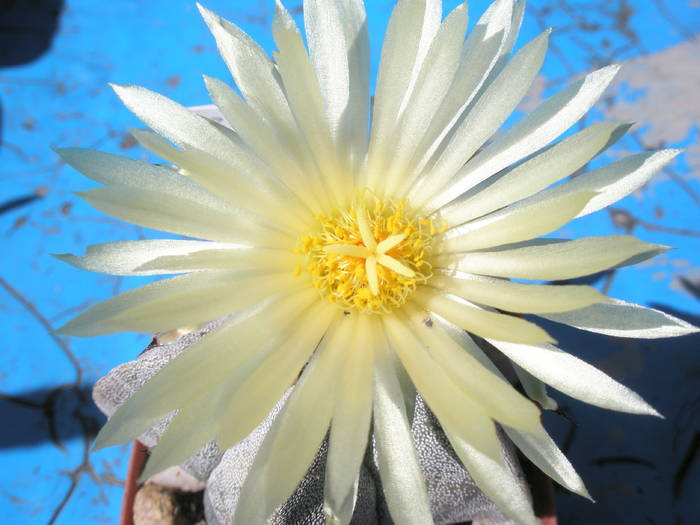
(371,256)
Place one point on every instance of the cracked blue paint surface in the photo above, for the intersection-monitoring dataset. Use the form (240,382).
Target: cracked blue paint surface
(638,469)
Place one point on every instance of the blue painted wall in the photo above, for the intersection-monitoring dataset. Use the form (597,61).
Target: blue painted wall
(54,92)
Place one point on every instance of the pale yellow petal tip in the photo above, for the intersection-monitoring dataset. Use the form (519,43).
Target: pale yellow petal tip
(655,413)
(67,258)
(103,440)
(582,491)
(206,13)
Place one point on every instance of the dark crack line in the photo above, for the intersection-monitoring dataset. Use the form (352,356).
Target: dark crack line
(47,325)
(74,474)
(624,219)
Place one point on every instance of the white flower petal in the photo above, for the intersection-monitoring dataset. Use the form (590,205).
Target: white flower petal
(226,258)
(177,123)
(545,454)
(190,429)
(182,216)
(616,180)
(479,321)
(479,56)
(621,319)
(536,130)
(513,30)
(292,442)
(224,356)
(261,139)
(515,223)
(453,408)
(496,480)
(160,198)
(495,396)
(246,186)
(534,388)
(535,174)
(253,71)
(432,83)
(517,297)
(304,97)
(268,381)
(483,119)
(553,260)
(539,448)
(574,377)
(352,414)
(128,257)
(178,301)
(339,47)
(402,479)
(411,30)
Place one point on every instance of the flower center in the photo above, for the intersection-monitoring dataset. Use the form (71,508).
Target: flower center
(371,256)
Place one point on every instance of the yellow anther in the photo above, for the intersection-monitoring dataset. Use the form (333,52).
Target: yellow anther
(342,277)
(297,270)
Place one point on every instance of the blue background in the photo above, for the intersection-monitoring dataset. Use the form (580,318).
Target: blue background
(54,92)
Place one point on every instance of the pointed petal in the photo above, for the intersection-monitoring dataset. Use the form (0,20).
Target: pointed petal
(160,198)
(177,123)
(401,475)
(339,47)
(178,301)
(517,297)
(535,131)
(453,408)
(191,429)
(621,319)
(535,174)
(182,216)
(479,321)
(225,258)
(496,480)
(253,71)
(246,185)
(305,100)
(223,357)
(556,260)
(574,377)
(411,30)
(494,395)
(268,381)
(534,388)
(291,444)
(515,223)
(432,84)
(129,257)
(479,56)
(352,414)
(545,454)
(616,180)
(483,119)
(539,448)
